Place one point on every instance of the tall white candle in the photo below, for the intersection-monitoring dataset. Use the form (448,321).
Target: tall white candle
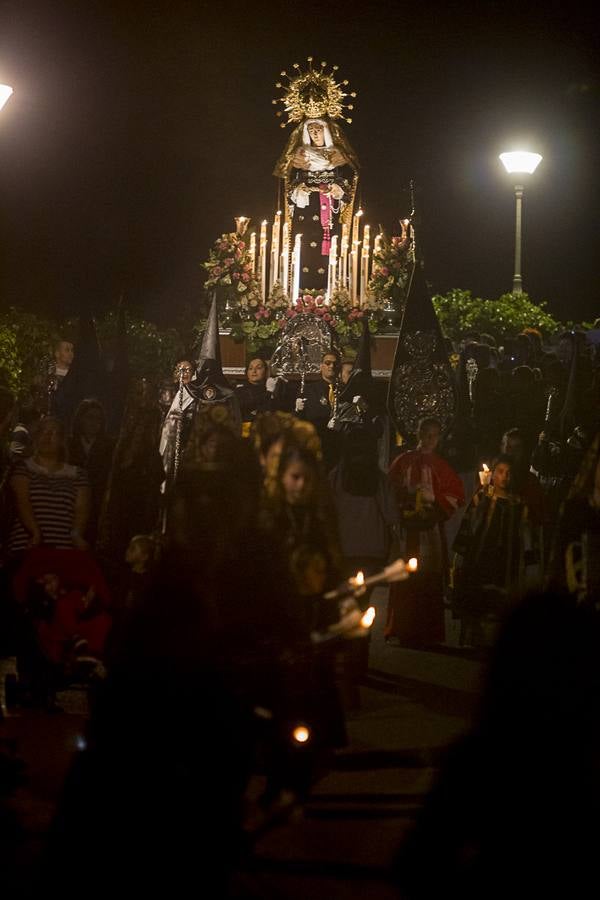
(344,254)
(354,263)
(356,227)
(252,251)
(263,259)
(364,275)
(276,236)
(331,274)
(285,259)
(296,267)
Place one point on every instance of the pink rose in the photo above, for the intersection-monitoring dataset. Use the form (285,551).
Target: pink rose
(223,245)
(245,277)
(327,317)
(217,270)
(236,276)
(257,316)
(384,271)
(242,245)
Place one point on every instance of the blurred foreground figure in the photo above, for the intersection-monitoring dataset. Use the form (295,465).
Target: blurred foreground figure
(515,809)
(158,791)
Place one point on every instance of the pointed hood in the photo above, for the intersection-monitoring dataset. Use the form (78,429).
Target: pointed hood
(568,414)
(210,384)
(421,382)
(361,379)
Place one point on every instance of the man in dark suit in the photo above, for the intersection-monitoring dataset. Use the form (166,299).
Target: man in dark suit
(317,405)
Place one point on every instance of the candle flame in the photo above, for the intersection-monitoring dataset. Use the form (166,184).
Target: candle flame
(360,577)
(301,734)
(485,468)
(368,617)
(413,564)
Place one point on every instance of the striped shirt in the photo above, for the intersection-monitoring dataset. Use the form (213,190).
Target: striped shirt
(52,496)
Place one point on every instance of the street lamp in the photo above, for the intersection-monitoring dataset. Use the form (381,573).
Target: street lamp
(520,163)
(5,93)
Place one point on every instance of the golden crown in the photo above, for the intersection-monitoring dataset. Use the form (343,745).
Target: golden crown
(313,93)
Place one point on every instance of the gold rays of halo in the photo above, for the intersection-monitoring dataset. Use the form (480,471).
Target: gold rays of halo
(312,94)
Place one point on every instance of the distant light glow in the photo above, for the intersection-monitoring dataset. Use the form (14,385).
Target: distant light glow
(368,617)
(301,734)
(413,564)
(5,94)
(520,161)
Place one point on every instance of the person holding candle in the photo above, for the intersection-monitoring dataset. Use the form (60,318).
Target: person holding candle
(490,555)
(319,169)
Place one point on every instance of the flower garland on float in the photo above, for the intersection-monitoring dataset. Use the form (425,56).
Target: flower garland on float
(243,311)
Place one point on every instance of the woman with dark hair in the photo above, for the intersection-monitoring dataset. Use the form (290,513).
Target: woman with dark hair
(299,512)
(52,498)
(252,394)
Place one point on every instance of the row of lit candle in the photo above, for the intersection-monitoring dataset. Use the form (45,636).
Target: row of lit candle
(349,262)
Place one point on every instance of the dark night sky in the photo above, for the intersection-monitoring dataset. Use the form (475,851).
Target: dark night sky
(137,131)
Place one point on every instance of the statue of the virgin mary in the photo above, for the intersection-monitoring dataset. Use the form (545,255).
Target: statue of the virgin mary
(319,169)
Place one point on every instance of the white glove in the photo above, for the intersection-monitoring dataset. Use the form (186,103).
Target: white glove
(271,384)
(300,403)
(356,399)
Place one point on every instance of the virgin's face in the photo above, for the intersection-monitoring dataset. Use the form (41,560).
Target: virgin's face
(257,371)
(316,133)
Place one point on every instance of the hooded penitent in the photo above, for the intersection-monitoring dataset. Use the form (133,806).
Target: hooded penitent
(421,382)
(355,398)
(210,384)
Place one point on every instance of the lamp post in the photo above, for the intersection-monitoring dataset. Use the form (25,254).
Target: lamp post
(5,93)
(519,163)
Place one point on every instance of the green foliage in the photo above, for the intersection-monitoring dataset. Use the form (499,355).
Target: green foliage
(26,344)
(459,312)
(10,366)
(25,341)
(152,351)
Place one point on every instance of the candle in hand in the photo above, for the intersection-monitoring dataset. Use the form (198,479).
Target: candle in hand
(485,476)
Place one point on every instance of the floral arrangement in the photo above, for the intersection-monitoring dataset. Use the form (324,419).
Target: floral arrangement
(389,277)
(230,271)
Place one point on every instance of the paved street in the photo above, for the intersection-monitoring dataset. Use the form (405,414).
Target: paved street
(342,842)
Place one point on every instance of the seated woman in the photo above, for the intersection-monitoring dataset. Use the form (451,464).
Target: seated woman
(52,498)
(252,394)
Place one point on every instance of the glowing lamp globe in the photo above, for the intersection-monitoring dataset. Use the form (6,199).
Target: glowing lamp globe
(520,162)
(5,93)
